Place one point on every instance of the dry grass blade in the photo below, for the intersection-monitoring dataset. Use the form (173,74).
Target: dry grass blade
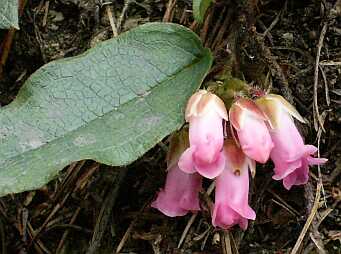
(316,73)
(309,220)
(104,215)
(111,20)
(192,219)
(330,63)
(2,236)
(130,228)
(169,11)
(123,14)
(62,240)
(274,22)
(226,243)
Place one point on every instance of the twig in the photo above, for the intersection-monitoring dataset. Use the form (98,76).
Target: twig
(316,73)
(111,20)
(193,217)
(284,204)
(213,31)
(326,87)
(121,18)
(233,244)
(275,69)
(188,226)
(36,233)
(130,228)
(125,237)
(315,235)
(7,42)
(324,215)
(47,5)
(71,173)
(104,215)
(297,50)
(206,26)
(39,246)
(309,220)
(319,134)
(65,234)
(272,25)
(329,63)
(2,234)
(168,14)
(226,243)
(222,30)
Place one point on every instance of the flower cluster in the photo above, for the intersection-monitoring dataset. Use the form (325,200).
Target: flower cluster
(260,129)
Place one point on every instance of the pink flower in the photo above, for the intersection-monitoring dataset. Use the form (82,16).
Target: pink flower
(249,123)
(232,190)
(290,155)
(181,192)
(204,112)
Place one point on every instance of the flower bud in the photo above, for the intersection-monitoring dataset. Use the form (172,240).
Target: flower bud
(250,124)
(205,113)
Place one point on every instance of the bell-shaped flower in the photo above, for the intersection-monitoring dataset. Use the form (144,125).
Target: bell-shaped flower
(290,155)
(250,124)
(232,190)
(205,113)
(181,192)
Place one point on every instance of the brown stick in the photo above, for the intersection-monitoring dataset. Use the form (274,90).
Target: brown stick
(316,73)
(6,45)
(103,218)
(275,69)
(309,220)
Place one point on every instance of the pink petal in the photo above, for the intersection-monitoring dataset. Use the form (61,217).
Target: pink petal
(206,141)
(207,130)
(211,170)
(283,169)
(298,177)
(231,198)
(310,149)
(316,161)
(180,194)
(288,142)
(243,108)
(186,163)
(224,217)
(255,139)
(199,126)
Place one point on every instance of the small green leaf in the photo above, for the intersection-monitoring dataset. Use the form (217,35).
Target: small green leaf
(111,104)
(9,14)
(199,9)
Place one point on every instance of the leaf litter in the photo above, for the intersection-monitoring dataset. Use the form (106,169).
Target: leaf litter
(276,37)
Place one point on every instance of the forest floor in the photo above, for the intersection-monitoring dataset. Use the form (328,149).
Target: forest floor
(294,45)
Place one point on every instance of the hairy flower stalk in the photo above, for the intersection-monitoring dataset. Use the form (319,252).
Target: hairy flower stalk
(205,113)
(181,192)
(250,124)
(232,189)
(290,155)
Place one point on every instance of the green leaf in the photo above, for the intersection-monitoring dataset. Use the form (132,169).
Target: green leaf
(111,104)
(199,9)
(9,14)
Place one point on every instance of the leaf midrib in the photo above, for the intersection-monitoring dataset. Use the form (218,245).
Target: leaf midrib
(197,60)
